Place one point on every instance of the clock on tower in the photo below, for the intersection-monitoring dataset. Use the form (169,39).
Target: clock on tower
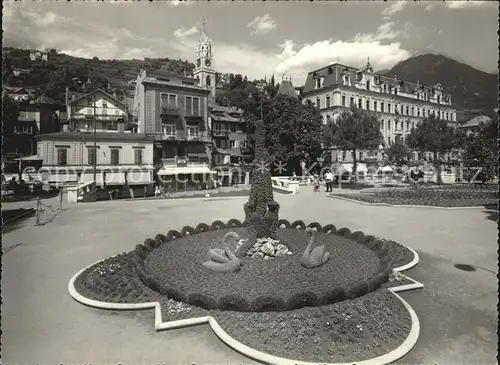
(207,62)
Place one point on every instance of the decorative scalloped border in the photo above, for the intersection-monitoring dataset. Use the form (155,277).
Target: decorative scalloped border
(388,358)
(374,244)
(400,205)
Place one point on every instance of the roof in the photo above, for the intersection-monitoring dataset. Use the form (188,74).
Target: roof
(44,99)
(226,114)
(14,89)
(476,121)
(286,88)
(100,136)
(95,91)
(333,76)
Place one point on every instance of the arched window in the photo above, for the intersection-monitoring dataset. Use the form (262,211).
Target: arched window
(209,81)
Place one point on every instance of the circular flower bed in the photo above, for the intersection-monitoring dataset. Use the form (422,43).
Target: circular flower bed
(358,265)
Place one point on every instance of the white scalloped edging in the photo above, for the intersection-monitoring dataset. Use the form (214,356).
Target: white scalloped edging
(388,358)
(400,206)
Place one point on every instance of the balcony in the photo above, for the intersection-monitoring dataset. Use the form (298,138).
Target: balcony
(169,110)
(193,118)
(28,116)
(184,161)
(174,136)
(198,137)
(220,132)
(97,116)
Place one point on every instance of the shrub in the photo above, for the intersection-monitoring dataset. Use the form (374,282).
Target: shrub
(358,289)
(358,236)
(283,223)
(150,244)
(187,230)
(233,223)
(268,303)
(202,227)
(202,300)
(315,225)
(302,299)
(141,251)
(329,228)
(160,239)
(344,231)
(218,225)
(298,225)
(172,235)
(233,302)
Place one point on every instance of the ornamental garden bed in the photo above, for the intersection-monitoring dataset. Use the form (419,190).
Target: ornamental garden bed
(12,215)
(357,326)
(312,293)
(428,197)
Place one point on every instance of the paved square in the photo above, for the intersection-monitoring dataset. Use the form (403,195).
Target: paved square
(43,324)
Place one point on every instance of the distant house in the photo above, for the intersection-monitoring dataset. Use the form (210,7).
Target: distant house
(17,93)
(472,126)
(20,71)
(39,55)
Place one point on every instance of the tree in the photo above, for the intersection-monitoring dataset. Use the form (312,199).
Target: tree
(10,114)
(435,136)
(398,154)
(292,129)
(481,151)
(355,130)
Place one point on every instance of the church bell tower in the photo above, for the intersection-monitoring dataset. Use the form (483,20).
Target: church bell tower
(204,71)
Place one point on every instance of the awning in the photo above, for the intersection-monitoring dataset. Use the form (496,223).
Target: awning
(386,169)
(86,178)
(29,158)
(61,178)
(188,170)
(139,178)
(115,178)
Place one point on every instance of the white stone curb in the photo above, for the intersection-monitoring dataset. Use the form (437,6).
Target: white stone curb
(388,358)
(409,265)
(400,206)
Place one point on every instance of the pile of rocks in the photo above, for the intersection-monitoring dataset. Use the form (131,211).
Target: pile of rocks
(266,248)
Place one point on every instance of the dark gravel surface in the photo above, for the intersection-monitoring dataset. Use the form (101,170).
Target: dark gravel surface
(438,199)
(12,214)
(177,265)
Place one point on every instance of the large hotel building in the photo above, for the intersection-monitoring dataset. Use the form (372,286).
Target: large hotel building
(401,104)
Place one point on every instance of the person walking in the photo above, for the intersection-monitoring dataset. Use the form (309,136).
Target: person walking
(329,181)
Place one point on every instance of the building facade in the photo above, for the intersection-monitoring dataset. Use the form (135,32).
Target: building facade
(230,149)
(108,113)
(121,159)
(400,104)
(173,110)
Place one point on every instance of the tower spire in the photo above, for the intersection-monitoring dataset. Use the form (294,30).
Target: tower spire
(203,33)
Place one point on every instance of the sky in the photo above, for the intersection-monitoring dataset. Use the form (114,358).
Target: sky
(259,39)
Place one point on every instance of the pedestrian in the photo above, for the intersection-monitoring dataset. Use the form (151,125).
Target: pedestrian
(157,191)
(329,181)
(316,184)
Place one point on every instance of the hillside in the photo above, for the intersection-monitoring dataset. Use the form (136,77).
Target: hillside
(471,89)
(62,70)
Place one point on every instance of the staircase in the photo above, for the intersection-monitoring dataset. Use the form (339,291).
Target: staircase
(86,192)
(285,185)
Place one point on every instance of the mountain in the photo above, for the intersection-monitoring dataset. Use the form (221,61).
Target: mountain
(60,71)
(472,91)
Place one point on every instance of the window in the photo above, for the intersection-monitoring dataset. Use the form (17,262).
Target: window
(346,80)
(368,104)
(209,81)
(343,100)
(232,144)
(360,103)
(90,102)
(196,107)
(395,91)
(318,104)
(169,129)
(351,103)
(389,141)
(388,108)
(328,101)
(439,99)
(218,143)
(446,116)
(407,110)
(382,107)
(89,111)
(389,124)
(189,105)
(382,124)
(418,112)
(368,85)
(91,156)
(412,110)
(112,126)
(138,156)
(375,105)
(115,156)
(62,156)
(169,101)
(328,118)
(104,104)
(234,127)
(318,83)
(193,131)
(104,111)
(407,125)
